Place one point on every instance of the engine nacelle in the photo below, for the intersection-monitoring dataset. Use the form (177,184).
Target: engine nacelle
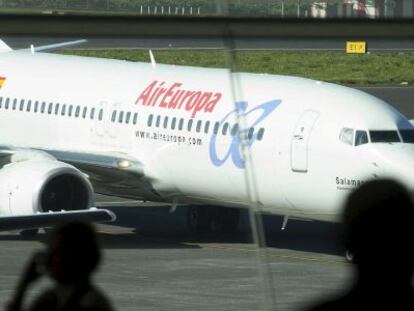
(43,185)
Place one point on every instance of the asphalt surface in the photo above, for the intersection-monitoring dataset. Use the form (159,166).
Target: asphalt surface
(151,262)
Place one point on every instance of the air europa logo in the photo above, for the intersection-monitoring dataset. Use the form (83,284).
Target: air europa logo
(174,96)
(234,146)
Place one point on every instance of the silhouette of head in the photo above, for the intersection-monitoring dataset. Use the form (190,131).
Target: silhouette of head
(73,252)
(379,229)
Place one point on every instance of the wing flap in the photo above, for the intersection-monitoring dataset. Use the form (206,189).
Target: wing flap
(50,219)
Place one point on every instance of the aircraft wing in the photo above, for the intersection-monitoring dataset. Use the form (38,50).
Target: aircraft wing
(49,219)
(111,173)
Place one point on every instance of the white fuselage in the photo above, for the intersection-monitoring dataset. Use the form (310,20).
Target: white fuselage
(302,166)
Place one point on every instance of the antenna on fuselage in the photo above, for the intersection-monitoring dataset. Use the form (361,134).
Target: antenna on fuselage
(32,49)
(153,63)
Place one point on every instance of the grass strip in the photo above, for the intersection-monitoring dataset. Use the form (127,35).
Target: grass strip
(367,69)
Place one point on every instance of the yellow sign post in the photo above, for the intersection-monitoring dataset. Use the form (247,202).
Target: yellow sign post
(356,47)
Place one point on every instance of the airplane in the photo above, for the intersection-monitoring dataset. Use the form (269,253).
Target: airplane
(72,126)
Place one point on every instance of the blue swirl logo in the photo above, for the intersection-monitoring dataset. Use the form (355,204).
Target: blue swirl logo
(234,150)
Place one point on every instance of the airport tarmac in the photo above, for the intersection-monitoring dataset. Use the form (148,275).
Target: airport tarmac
(151,262)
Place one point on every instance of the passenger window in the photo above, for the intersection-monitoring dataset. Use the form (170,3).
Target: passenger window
(57,109)
(361,138)
(250,134)
(42,109)
(14,104)
(150,118)
(85,111)
(92,115)
(70,110)
(216,128)
(173,121)
(100,115)
(189,125)
(113,117)
(77,111)
(36,106)
(225,128)
(198,127)
(158,122)
(181,124)
(165,122)
(206,127)
(234,130)
(135,119)
(63,112)
(121,117)
(128,117)
(29,106)
(260,134)
(347,136)
(6,104)
(50,108)
(21,104)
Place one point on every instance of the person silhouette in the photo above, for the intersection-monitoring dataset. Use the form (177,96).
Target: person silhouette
(71,255)
(378,227)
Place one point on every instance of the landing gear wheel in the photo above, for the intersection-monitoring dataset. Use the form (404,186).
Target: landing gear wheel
(29,232)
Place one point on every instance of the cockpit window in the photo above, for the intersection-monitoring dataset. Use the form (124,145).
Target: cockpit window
(384,136)
(347,136)
(407,136)
(361,138)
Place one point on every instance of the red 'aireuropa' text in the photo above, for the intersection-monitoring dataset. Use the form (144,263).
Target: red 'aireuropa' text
(174,97)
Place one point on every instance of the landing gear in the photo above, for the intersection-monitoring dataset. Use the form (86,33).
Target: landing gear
(207,219)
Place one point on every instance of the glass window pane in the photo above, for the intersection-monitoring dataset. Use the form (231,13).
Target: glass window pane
(121,117)
(189,125)
(29,106)
(407,135)
(361,138)
(384,136)
(347,136)
(113,118)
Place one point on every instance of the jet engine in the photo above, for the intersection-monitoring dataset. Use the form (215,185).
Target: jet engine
(43,185)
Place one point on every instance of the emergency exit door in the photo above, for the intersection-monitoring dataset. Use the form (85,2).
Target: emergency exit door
(300,141)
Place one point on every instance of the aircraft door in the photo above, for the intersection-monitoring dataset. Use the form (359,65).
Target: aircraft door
(300,140)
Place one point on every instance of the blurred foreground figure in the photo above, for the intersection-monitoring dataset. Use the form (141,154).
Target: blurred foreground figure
(71,256)
(379,231)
